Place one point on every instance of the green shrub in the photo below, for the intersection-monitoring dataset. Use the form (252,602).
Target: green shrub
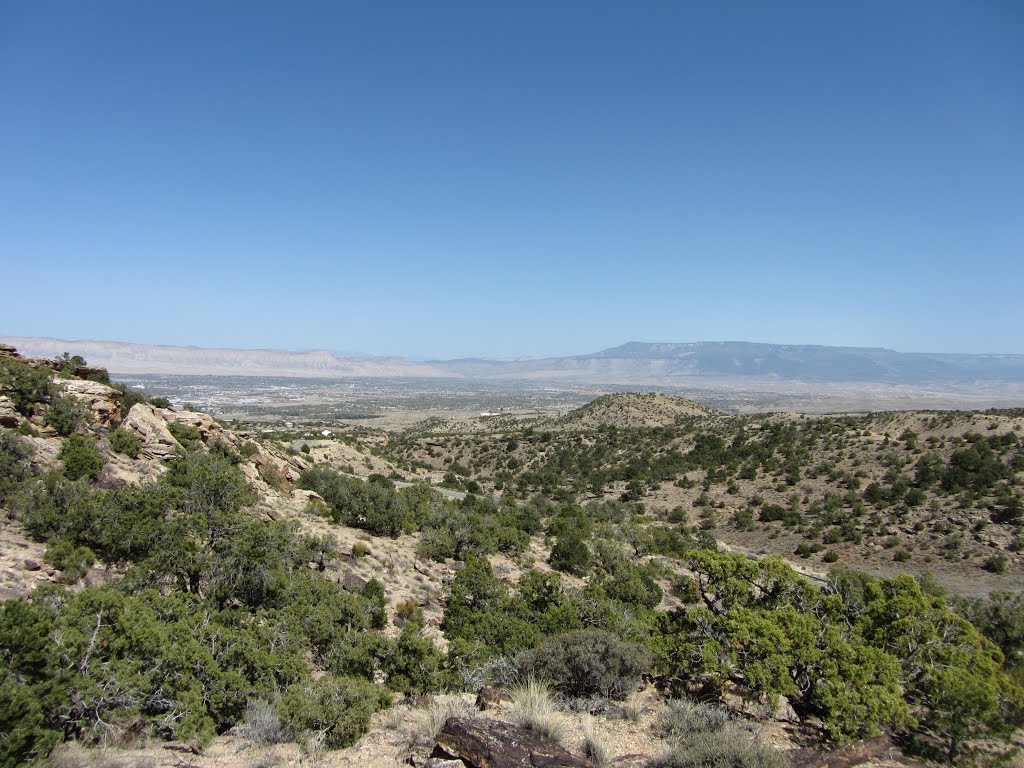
(633,586)
(413,663)
(570,555)
(73,562)
(24,385)
(187,434)
(274,476)
(223,448)
(589,662)
(336,710)
(996,563)
(128,397)
(66,415)
(81,458)
(125,442)
(409,611)
(26,735)
(14,463)
(772,512)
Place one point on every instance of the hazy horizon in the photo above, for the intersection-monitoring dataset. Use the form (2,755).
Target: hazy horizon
(298,349)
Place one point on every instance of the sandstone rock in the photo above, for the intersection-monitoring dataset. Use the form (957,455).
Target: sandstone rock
(304,497)
(420,752)
(484,743)
(353,583)
(208,428)
(9,417)
(103,401)
(32,565)
(489,697)
(157,441)
(115,475)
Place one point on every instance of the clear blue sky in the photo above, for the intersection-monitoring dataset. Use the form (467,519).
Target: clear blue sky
(440,179)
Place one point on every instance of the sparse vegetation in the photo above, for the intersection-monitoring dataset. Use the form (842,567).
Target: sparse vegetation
(125,442)
(201,590)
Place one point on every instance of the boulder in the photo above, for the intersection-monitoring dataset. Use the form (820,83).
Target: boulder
(157,440)
(484,743)
(116,475)
(353,583)
(103,401)
(488,697)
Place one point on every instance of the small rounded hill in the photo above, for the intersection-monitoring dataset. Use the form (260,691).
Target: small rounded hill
(635,409)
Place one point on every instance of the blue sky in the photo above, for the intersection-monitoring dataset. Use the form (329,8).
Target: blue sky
(452,179)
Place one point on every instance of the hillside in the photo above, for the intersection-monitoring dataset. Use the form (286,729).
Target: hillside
(889,492)
(282,596)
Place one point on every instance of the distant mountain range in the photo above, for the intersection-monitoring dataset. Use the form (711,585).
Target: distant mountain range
(124,357)
(632,363)
(729,359)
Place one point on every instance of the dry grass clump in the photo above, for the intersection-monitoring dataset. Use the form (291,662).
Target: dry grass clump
(431,719)
(73,755)
(731,747)
(360,549)
(262,724)
(703,736)
(595,750)
(683,717)
(533,708)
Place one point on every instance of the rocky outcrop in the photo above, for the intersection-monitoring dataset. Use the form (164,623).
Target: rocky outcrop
(207,426)
(484,743)
(9,417)
(151,429)
(104,402)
